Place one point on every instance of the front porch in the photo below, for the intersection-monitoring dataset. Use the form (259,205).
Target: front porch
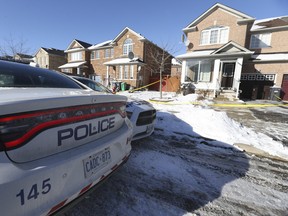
(217,73)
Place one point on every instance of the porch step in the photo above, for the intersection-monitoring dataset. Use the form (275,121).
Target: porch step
(226,95)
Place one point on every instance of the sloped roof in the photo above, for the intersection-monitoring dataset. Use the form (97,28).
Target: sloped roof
(54,51)
(124,31)
(100,45)
(21,55)
(121,61)
(216,6)
(229,49)
(83,44)
(274,22)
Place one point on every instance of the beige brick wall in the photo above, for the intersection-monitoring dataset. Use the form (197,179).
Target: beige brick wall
(237,32)
(268,68)
(279,42)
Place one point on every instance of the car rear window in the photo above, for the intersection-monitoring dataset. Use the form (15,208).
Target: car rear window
(15,75)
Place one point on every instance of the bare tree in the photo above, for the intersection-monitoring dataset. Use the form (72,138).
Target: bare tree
(161,58)
(12,46)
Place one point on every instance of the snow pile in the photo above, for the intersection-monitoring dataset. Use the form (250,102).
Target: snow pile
(201,120)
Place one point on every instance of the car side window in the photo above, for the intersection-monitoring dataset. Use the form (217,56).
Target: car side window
(34,77)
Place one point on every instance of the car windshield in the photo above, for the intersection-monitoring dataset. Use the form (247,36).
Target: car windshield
(18,75)
(93,85)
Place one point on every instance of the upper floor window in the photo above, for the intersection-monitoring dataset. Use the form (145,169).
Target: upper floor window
(97,54)
(107,53)
(127,46)
(76,56)
(214,35)
(93,55)
(260,40)
(112,52)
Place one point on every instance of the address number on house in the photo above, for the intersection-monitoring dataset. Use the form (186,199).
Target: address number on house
(95,162)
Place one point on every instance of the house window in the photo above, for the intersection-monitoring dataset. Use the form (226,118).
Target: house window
(131,71)
(199,70)
(126,72)
(97,54)
(76,56)
(120,72)
(214,35)
(127,46)
(93,55)
(260,41)
(112,52)
(107,53)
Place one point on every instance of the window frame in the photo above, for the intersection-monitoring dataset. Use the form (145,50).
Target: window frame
(76,56)
(257,41)
(208,36)
(127,46)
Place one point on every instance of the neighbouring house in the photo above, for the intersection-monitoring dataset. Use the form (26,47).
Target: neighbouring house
(232,55)
(23,58)
(78,59)
(129,58)
(176,68)
(50,58)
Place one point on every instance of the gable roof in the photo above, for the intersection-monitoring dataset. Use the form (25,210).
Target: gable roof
(242,17)
(84,45)
(229,49)
(124,32)
(53,51)
(232,47)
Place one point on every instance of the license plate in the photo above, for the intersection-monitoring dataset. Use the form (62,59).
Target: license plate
(95,162)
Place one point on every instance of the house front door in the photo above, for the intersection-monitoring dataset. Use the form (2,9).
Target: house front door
(227,75)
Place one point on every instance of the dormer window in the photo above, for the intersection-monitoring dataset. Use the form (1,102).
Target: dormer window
(214,35)
(127,46)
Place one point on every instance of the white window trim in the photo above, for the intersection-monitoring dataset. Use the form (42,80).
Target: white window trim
(127,47)
(75,56)
(258,42)
(219,39)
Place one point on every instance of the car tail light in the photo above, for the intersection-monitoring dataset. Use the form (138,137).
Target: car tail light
(18,129)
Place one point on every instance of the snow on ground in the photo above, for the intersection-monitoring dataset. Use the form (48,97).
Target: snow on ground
(201,119)
(190,167)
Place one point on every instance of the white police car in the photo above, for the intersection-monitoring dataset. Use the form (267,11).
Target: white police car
(57,140)
(141,113)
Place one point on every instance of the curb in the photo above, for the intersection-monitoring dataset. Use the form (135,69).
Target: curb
(258,152)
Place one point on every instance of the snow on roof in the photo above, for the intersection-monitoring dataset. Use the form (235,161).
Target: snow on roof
(123,61)
(271,57)
(105,43)
(175,62)
(201,53)
(270,23)
(73,64)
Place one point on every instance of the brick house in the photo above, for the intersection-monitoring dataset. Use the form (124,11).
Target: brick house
(231,54)
(128,58)
(78,57)
(50,58)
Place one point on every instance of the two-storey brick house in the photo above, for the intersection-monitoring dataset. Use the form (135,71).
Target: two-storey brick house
(127,58)
(50,58)
(225,54)
(78,57)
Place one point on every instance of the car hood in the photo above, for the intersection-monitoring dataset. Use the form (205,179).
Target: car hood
(133,104)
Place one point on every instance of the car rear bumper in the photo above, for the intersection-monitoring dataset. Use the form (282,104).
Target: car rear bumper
(44,186)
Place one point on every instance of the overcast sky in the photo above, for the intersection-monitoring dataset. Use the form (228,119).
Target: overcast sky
(55,23)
